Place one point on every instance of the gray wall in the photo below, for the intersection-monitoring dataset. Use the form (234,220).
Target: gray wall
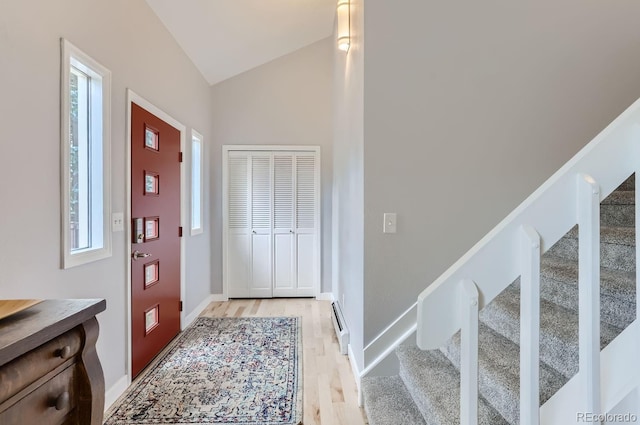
(126,37)
(348,175)
(284,102)
(469,106)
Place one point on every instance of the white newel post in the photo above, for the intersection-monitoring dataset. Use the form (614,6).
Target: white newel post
(588,211)
(530,327)
(468,353)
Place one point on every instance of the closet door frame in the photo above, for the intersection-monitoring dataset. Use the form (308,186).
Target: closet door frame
(225,201)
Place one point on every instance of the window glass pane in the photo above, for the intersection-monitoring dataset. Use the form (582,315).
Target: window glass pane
(196,182)
(79,160)
(85,159)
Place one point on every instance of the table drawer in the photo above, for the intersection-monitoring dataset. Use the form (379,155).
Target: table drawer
(49,404)
(28,368)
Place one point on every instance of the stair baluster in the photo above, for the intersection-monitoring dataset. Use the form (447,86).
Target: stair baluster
(530,327)
(588,215)
(468,353)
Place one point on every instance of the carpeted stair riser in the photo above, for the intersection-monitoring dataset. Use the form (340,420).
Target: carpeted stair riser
(432,377)
(618,209)
(617,248)
(558,329)
(559,284)
(388,402)
(434,384)
(499,370)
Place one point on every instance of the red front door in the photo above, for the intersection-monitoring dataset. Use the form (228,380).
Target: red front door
(155,242)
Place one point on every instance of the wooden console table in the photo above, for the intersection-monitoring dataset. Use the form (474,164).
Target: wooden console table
(49,369)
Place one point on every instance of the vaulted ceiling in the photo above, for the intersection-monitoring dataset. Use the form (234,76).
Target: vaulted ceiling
(224,38)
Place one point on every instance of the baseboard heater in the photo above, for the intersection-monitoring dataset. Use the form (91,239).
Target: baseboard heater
(340,326)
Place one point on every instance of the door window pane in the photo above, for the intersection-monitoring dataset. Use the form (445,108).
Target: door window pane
(151,139)
(151,183)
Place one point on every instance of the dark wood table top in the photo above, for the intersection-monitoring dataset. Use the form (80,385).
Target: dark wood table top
(32,327)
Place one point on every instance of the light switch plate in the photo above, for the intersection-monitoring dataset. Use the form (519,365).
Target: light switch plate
(117,222)
(390,223)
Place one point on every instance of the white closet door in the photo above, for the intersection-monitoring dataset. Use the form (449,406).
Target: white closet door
(284,284)
(272,224)
(238,224)
(307,219)
(261,222)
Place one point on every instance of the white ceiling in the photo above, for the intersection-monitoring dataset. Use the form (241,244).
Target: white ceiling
(226,37)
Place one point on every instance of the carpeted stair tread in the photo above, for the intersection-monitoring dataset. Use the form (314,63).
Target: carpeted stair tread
(617,247)
(619,235)
(434,384)
(618,209)
(558,329)
(620,197)
(499,371)
(388,402)
(615,283)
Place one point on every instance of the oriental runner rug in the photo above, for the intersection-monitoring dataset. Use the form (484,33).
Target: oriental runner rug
(241,371)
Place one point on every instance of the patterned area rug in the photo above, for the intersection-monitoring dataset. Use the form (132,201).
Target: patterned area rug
(242,371)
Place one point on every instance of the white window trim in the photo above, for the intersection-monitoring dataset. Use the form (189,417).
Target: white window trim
(196,138)
(70,53)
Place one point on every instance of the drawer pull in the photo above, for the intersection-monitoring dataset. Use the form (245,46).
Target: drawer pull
(64,352)
(62,401)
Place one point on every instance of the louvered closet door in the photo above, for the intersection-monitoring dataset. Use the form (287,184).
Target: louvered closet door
(307,219)
(238,255)
(284,284)
(272,245)
(261,222)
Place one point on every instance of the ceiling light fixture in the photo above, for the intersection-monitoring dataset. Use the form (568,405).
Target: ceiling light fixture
(344,25)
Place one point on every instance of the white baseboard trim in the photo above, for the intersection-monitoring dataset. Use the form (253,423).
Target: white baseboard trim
(326,296)
(394,335)
(116,390)
(196,311)
(218,298)
(356,374)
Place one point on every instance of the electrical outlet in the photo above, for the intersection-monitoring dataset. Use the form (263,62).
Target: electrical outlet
(117,222)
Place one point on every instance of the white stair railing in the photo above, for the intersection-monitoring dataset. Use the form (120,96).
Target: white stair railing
(530,328)
(571,196)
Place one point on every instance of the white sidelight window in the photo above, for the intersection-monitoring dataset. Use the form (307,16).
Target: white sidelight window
(85,157)
(197,187)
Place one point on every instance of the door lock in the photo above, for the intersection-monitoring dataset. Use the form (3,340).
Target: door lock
(137,254)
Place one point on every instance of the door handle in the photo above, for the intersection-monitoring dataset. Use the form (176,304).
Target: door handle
(137,254)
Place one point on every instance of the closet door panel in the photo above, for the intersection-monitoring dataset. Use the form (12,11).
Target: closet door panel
(261,266)
(283,253)
(306,267)
(307,219)
(238,265)
(261,222)
(284,258)
(238,259)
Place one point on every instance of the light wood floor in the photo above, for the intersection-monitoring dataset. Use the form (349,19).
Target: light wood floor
(330,394)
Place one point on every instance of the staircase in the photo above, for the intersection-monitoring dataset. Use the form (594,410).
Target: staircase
(427,390)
